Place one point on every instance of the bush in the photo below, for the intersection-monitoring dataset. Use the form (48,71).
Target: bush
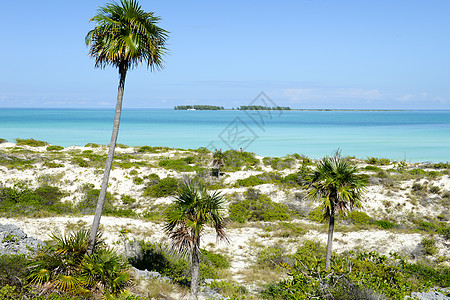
(272,257)
(2,141)
(55,148)
(21,200)
(435,189)
(236,160)
(149,149)
(279,163)
(258,207)
(378,161)
(316,215)
(176,164)
(429,245)
(372,169)
(138,180)
(166,187)
(30,142)
(92,145)
(359,217)
(250,181)
(385,224)
(88,203)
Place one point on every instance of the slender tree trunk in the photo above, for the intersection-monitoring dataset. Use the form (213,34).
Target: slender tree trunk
(195,269)
(330,238)
(109,159)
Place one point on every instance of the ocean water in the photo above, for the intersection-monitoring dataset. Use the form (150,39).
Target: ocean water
(415,136)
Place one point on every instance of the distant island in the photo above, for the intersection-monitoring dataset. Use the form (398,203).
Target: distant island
(244,107)
(259,107)
(198,107)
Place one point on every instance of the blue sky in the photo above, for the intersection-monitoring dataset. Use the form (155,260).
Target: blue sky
(302,54)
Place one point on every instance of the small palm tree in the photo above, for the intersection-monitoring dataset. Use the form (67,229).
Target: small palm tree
(193,209)
(64,265)
(339,188)
(218,162)
(125,36)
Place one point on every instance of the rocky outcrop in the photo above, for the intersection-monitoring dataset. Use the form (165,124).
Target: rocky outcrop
(14,241)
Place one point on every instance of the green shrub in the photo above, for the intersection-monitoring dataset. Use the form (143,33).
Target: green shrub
(417,172)
(316,215)
(429,245)
(21,200)
(127,199)
(55,148)
(272,257)
(149,149)
(13,270)
(385,224)
(435,189)
(372,169)
(378,161)
(418,187)
(50,164)
(258,207)
(229,289)
(236,160)
(88,203)
(359,217)
(92,145)
(176,164)
(279,163)
(250,181)
(165,187)
(30,142)
(2,141)
(138,180)
(155,213)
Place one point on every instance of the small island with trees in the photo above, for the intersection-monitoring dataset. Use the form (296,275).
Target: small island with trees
(198,107)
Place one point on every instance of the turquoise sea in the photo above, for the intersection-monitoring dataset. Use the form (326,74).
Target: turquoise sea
(416,136)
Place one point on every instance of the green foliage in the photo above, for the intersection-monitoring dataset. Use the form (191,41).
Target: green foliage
(51,164)
(2,141)
(54,148)
(358,217)
(272,257)
(155,212)
(250,181)
(149,149)
(127,199)
(138,180)
(158,257)
(435,189)
(258,207)
(316,215)
(13,270)
(88,159)
(165,187)
(378,161)
(30,142)
(278,163)
(198,107)
(66,264)
(429,245)
(92,145)
(229,289)
(13,162)
(23,201)
(236,160)
(416,171)
(352,276)
(180,165)
(88,203)
(385,224)
(372,169)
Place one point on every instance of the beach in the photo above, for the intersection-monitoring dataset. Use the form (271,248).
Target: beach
(392,197)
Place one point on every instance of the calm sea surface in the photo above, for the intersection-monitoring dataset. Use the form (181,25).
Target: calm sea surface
(416,136)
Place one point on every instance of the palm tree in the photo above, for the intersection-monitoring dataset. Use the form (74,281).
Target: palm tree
(125,36)
(339,188)
(193,209)
(218,162)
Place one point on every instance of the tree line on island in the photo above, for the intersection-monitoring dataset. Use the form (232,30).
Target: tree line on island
(242,107)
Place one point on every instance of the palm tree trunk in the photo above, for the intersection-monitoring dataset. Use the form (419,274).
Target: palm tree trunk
(109,159)
(195,269)
(330,239)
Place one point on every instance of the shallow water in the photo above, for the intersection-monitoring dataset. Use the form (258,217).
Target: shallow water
(412,135)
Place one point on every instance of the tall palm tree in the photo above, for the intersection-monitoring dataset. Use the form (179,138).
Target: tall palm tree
(193,209)
(336,184)
(124,37)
